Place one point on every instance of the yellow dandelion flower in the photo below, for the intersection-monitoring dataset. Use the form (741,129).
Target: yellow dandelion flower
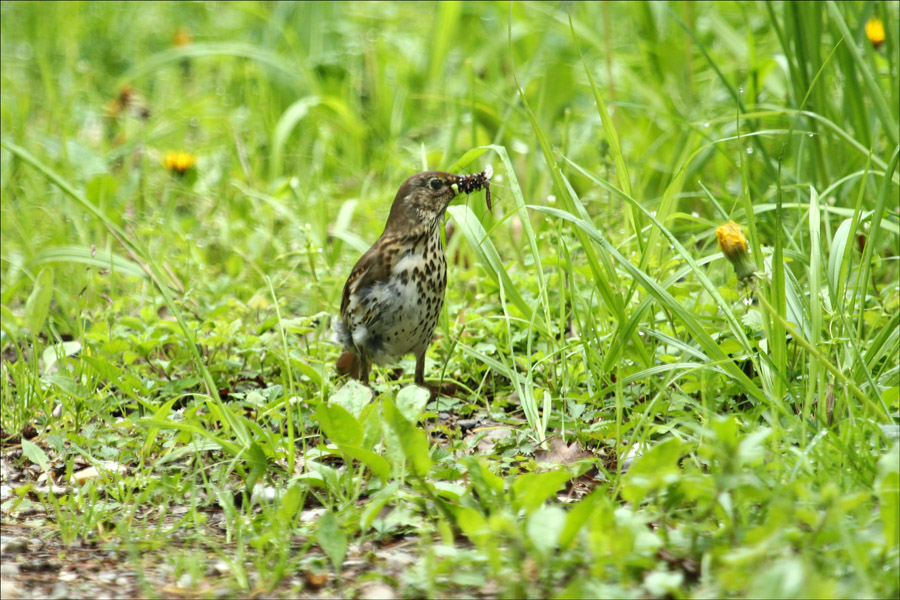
(179,162)
(182,37)
(875,31)
(734,246)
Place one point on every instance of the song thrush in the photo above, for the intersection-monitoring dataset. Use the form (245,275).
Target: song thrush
(394,294)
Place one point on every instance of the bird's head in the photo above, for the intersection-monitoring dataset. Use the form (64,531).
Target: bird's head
(422,200)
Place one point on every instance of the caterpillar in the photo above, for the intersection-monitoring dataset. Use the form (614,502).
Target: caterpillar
(478,181)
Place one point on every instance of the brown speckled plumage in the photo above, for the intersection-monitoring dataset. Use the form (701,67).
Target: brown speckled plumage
(394,295)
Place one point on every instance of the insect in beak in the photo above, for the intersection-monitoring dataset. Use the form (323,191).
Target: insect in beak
(478,181)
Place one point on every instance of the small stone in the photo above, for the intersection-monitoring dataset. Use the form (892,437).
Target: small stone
(220,567)
(60,591)
(93,472)
(186,581)
(375,590)
(9,589)
(14,545)
(9,570)
(106,577)
(311,515)
(633,454)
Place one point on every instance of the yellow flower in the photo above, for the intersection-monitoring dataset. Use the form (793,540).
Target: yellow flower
(182,37)
(179,162)
(734,246)
(875,31)
(258,302)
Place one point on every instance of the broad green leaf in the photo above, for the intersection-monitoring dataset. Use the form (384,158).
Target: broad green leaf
(101,188)
(577,517)
(256,459)
(663,583)
(67,385)
(38,304)
(105,369)
(35,454)
(52,353)
(377,502)
(307,370)
(751,450)
(531,490)
(339,425)
(353,397)
(373,426)
(290,504)
(412,439)
(411,401)
(783,578)
(657,468)
(488,485)
(544,527)
(473,524)
(332,540)
(378,465)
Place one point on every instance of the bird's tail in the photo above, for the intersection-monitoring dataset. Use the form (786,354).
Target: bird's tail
(348,364)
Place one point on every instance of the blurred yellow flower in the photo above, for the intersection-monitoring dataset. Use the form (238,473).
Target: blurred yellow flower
(875,31)
(179,162)
(182,37)
(734,246)
(258,302)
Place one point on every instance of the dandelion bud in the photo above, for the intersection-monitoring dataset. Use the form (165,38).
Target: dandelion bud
(734,246)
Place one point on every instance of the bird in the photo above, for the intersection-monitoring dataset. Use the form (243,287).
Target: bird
(394,295)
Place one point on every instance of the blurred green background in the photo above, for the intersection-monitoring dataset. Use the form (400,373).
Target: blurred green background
(313,113)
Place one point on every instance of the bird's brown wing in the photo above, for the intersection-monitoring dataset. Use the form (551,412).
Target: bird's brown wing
(374,266)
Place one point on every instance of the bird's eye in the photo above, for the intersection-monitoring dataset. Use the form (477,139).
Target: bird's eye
(435,184)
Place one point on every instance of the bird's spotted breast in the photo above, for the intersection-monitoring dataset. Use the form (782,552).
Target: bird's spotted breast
(399,314)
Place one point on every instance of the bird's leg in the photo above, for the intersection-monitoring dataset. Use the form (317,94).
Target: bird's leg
(444,388)
(364,366)
(420,370)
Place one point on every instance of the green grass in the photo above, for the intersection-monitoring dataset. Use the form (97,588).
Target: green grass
(180,324)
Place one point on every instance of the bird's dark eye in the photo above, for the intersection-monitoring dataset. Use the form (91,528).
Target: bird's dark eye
(435,184)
